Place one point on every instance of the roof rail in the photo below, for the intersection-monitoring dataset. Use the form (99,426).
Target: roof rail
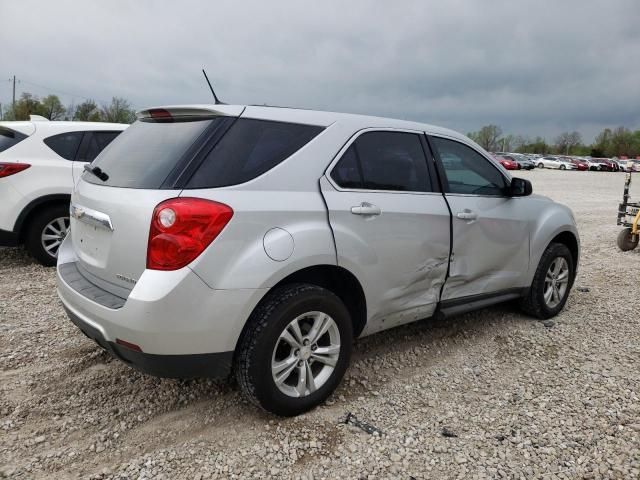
(38,118)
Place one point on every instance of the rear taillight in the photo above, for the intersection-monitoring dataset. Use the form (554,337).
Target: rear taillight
(181,228)
(7,169)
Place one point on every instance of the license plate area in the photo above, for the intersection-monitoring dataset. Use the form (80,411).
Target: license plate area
(92,243)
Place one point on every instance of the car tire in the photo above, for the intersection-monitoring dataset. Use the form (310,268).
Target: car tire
(625,240)
(541,165)
(41,231)
(263,349)
(536,303)
(562,167)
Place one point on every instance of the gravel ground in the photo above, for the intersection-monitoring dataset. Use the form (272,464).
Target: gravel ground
(492,394)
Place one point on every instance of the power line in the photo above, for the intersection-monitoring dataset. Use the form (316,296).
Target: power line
(57,91)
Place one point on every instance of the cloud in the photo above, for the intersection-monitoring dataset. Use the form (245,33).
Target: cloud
(533,67)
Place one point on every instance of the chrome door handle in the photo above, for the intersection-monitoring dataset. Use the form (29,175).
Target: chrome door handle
(365,209)
(467,215)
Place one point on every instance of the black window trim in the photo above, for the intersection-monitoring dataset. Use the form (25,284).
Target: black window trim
(443,176)
(84,143)
(75,155)
(435,185)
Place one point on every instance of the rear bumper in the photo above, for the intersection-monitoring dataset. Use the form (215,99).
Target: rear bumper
(8,239)
(183,327)
(212,365)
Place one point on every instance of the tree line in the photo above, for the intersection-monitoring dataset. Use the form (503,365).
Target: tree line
(118,111)
(616,142)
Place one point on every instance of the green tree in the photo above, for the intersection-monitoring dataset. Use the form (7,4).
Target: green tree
(87,111)
(487,137)
(52,108)
(567,141)
(119,111)
(26,105)
(621,142)
(602,144)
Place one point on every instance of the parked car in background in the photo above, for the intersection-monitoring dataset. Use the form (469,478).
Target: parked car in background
(259,240)
(555,162)
(581,165)
(39,163)
(523,161)
(606,164)
(507,163)
(632,166)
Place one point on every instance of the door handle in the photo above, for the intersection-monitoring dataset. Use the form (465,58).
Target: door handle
(365,209)
(467,215)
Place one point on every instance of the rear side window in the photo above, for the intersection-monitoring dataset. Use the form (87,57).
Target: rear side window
(468,172)
(384,161)
(148,151)
(94,143)
(9,138)
(65,144)
(249,149)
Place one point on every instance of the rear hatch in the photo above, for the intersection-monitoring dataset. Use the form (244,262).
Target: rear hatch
(113,204)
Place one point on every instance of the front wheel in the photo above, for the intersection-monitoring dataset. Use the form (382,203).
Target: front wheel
(295,350)
(562,167)
(541,165)
(551,283)
(626,240)
(45,233)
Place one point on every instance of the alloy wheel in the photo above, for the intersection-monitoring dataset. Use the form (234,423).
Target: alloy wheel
(556,282)
(305,354)
(53,234)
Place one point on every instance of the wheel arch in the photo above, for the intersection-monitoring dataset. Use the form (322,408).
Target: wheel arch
(337,280)
(33,207)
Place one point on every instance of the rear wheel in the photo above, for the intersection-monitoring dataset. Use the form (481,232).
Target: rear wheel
(562,167)
(541,165)
(45,233)
(626,240)
(295,349)
(551,283)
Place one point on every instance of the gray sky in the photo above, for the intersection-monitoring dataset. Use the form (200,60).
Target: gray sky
(532,67)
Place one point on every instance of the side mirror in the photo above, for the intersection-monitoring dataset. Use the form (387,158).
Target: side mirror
(520,187)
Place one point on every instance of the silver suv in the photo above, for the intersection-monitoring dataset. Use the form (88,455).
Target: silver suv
(261,241)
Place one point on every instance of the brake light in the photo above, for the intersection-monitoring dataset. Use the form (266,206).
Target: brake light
(161,114)
(181,228)
(7,169)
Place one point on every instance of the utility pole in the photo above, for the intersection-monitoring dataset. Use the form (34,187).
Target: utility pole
(13,105)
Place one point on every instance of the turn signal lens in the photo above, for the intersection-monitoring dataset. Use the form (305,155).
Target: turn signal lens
(181,229)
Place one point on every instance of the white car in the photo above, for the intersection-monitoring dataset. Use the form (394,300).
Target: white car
(554,162)
(39,163)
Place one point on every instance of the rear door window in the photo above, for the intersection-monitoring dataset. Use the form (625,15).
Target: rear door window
(250,148)
(93,143)
(65,144)
(384,161)
(9,138)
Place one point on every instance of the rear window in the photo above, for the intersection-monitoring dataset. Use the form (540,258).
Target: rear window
(249,149)
(9,138)
(147,152)
(153,154)
(65,144)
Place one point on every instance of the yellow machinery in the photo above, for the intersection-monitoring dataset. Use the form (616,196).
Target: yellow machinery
(629,217)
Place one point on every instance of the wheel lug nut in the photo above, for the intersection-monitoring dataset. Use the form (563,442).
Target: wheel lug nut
(306,342)
(314,347)
(296,353)
(300,363)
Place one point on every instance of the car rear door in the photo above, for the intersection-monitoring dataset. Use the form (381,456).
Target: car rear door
(490,231)
(390,224)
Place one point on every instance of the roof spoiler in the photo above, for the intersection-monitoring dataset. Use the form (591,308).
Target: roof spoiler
(38,118)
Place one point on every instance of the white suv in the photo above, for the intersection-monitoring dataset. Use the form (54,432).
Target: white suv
(39,163)
(263,240)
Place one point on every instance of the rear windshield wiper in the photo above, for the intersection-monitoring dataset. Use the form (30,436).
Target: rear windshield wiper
(97,171)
